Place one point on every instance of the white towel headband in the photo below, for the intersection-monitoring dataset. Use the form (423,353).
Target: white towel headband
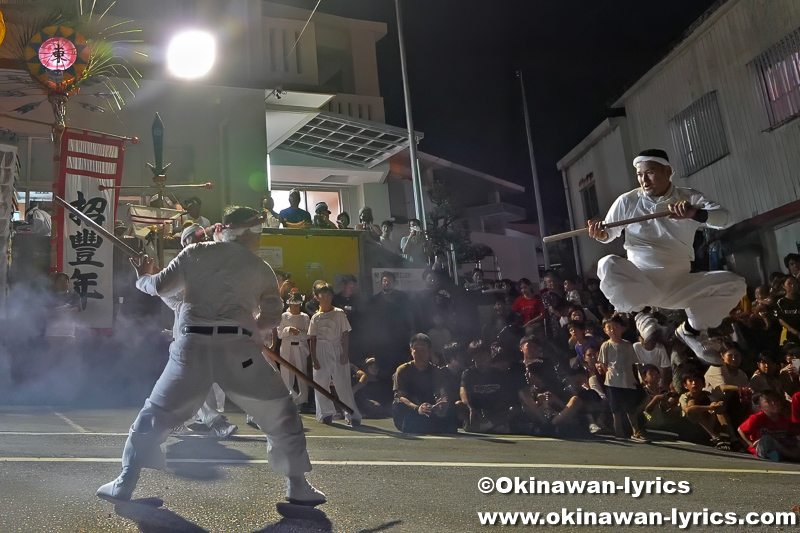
(643,158)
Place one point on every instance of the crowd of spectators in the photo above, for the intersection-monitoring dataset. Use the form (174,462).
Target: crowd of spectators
(556,359)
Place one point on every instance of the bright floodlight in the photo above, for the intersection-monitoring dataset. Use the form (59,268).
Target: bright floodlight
(191,54)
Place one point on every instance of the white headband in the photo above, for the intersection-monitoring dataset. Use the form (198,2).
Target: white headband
(228,235)
(643,158)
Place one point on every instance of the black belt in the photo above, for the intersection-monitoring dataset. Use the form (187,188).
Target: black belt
(220,330)
(295,344)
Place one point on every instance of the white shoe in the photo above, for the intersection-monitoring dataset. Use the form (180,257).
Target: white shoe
(182,431)
(695,343)
(647,325)
(300,492)
(252,423)
(594,428)
(121,488)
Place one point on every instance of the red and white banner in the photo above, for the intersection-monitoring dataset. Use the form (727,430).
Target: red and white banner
(89,160)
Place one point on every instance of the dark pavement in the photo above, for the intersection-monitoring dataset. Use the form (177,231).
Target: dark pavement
(53,459)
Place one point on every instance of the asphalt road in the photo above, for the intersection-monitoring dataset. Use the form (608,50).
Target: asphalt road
(53,459)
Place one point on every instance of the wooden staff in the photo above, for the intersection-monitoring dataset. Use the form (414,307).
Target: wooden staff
(269,354)
(585,231)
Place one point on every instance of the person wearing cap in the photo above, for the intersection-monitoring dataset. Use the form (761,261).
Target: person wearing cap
(231,302)
(657,271)
(293,331)
(322,216)
(192,206)
(293,216)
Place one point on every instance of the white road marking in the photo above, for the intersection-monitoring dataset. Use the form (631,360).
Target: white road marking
(70,422)
(398,436)
(415,464)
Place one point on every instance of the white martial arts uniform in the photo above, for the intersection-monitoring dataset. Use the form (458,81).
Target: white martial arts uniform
(328,329)
(225,285)
(214,404)
(657,270)
(294,349)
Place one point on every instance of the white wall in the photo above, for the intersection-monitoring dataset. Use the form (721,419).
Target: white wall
(760,173)
(610,163)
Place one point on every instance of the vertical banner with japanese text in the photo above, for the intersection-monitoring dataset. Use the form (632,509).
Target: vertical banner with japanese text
(89,162)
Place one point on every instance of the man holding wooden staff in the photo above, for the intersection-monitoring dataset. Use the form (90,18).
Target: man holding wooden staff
(657,270)
(231,298)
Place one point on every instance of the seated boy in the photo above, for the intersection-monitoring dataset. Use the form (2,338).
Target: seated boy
(661,407)
(698,408)
(770,434)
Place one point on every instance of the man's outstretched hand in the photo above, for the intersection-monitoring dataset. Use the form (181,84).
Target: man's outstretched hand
(143,265)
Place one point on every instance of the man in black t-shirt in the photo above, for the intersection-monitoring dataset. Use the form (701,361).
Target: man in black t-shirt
(420,404)
(488,392)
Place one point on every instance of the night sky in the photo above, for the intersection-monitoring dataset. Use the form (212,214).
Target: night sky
(577,56)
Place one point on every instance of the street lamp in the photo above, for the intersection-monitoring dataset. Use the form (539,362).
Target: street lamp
(191,54)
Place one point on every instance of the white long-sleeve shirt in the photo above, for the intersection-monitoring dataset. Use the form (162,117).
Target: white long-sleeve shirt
(654,243)
(224,283)
(288,321)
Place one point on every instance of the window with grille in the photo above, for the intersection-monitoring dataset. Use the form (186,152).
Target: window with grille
(591,208)
(698,135)
(776,73)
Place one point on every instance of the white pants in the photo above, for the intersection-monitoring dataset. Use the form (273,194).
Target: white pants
(298,356)
(707,297)
(238,366)
(330,368)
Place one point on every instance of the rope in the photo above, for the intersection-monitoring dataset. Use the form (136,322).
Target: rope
(304,28)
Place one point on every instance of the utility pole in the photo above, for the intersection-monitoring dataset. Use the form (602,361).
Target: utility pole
(416,179)
(539,212)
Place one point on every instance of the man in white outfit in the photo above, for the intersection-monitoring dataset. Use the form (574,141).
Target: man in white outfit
(293,331)
(657,270)
(231,300)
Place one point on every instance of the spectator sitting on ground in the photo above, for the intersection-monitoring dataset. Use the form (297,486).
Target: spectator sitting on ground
(766,377)
(487,393)
(791,368)
(593,405)
(455,357)
(789,309)
(547,407)
(728,377)
(582,342)
(699,409)
(768,433)
(372,399)
(661,408)
(595,372)
(420,404)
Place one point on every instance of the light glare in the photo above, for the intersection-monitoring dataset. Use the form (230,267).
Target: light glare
(191,54)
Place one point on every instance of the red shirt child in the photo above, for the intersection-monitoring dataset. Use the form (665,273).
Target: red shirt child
(759,424)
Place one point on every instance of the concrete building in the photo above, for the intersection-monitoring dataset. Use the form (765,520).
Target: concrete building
(723,104)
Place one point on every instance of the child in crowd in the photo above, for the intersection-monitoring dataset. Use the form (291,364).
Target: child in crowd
(789,309)
(571,293)
(528,304)
(329,331)
(662,408)
(770,434)
(619,358)
(788,376)
(582,342)
(591,402)
(595,372)
(766,377)
(293,332)
(372,400)
(653,352)
(698,408)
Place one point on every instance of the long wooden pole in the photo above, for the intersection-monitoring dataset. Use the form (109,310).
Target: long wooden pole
(269,354)
(585,231)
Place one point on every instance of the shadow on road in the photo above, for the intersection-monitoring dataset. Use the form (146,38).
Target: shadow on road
(194,447)
(152,519)
(382,527)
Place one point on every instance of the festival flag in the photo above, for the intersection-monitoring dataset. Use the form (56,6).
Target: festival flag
(89,160)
